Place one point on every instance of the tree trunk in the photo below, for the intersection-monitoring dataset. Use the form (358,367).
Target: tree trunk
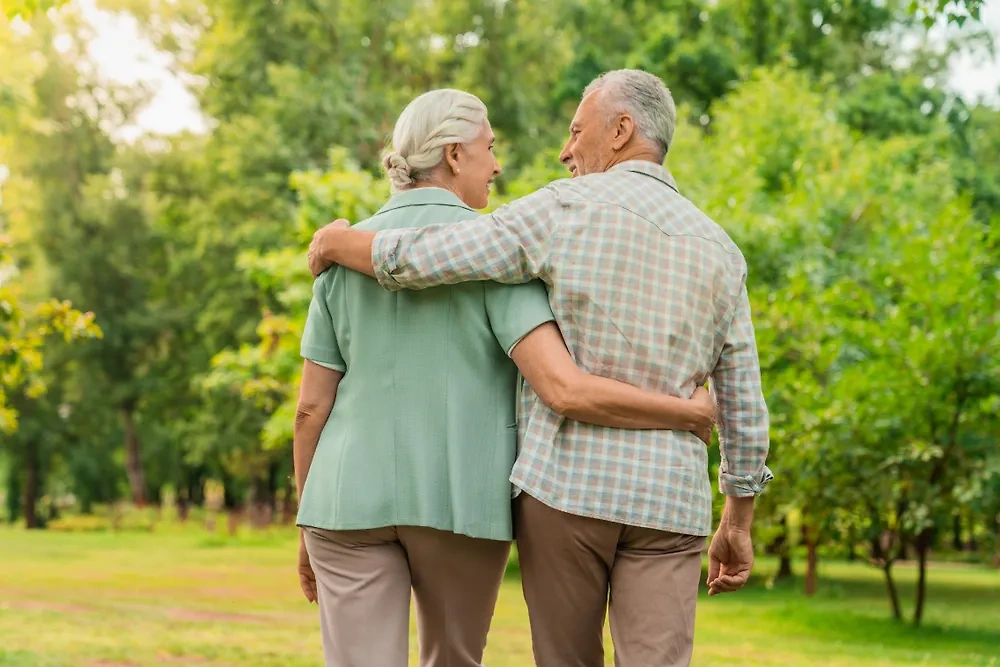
(15,495)
(260,504)
(923,546)
(956,528)
(290,506)
(133,460)
(196,489)
(996,555)
(780,547)
(904,548)
(785,565)
(897,613)
(235,518)
(183,506)
(32,484)
(811,559)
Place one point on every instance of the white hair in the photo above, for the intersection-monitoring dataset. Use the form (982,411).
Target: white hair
(428,124)
(643,97)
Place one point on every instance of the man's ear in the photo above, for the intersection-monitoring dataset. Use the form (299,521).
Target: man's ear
(451,156)
(624,128)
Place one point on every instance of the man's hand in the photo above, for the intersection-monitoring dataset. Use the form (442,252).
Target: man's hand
(705,406)
(307,578)
(730,556)
(321,241)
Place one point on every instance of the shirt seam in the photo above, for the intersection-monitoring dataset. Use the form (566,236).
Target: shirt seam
(426,203)
(617,205)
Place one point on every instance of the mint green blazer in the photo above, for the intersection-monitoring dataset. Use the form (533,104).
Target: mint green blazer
(423,431)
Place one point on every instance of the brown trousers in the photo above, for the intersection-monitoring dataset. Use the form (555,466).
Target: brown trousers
(574,569)
(364,578)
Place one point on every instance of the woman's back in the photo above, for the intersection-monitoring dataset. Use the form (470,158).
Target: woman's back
(423,431)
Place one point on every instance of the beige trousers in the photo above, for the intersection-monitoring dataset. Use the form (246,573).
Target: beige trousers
(364,578)
(574,569)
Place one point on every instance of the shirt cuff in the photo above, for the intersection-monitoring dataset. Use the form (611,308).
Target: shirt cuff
(333,367)
(744,486)
(510,350)
(322,356)
(384,258)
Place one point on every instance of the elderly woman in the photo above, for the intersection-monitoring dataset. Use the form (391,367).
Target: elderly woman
(405,434)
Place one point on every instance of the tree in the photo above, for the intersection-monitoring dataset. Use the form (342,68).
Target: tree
(266,373)
(860,294)
(952,11)
(85,223)
(26,8)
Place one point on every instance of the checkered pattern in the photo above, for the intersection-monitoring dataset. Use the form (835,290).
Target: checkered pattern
(647,290)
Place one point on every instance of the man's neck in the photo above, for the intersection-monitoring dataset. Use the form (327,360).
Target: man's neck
(630,153)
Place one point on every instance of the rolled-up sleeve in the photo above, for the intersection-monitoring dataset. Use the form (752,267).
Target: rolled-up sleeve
(510,245)
(742,411)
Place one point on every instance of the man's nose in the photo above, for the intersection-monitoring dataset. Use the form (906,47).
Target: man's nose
(564,156)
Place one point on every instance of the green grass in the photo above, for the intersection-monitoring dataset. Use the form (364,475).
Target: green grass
(182,596)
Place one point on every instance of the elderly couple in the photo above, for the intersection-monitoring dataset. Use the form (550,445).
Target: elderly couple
(553,351)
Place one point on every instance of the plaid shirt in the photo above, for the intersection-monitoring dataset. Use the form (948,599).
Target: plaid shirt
(647,290)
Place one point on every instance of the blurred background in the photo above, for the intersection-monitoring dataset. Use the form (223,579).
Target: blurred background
(164,163)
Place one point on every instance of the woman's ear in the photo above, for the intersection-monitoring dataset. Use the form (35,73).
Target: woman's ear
(451,155)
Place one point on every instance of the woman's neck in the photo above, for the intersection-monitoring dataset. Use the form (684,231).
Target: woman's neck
(437,183)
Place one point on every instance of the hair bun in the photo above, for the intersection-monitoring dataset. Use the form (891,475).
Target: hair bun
(398,170)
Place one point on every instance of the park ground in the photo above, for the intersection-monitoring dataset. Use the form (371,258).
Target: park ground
(184,596)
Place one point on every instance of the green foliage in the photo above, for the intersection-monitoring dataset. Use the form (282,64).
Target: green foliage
(863,195)
(23,336)
(266,373)
(953,11)
(26,8)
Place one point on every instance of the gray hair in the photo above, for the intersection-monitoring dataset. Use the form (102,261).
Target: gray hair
(428,124)
(644,97)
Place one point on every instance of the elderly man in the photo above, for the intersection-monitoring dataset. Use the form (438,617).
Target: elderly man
(648,290)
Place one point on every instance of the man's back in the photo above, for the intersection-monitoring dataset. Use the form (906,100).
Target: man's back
(644,287)
(647,290)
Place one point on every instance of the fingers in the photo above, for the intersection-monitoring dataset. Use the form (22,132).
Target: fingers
(705,435)
(308,586)
(729,583)
(713,569)
(317,263)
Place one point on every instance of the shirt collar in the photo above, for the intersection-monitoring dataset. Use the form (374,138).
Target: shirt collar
(647,168)
(421,197)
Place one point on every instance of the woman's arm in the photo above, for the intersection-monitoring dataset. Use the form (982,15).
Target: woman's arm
(545,363)
(317,392)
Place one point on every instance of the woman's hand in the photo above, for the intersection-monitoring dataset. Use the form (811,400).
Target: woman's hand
(307,578)
(704,405)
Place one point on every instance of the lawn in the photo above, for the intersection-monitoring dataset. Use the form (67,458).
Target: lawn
(182,596)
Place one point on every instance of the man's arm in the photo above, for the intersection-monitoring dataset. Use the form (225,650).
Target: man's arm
(743,440)
(546,364)
(510,245)
(743,417)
